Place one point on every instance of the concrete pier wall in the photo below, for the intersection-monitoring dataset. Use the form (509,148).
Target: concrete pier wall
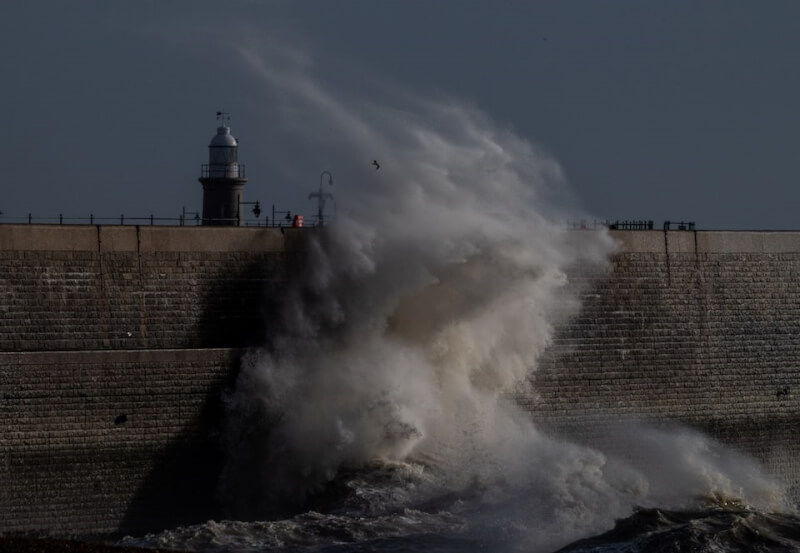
(117,345)
(696,328)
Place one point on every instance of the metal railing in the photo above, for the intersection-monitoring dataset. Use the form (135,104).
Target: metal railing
(613,225)
(584,224)
(680,225)
(629,225)
(184,219)
(221,171)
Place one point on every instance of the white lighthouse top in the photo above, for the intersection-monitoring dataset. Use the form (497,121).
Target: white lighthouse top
(223,138)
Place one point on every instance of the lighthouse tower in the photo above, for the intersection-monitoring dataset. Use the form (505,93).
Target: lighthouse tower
(223,179)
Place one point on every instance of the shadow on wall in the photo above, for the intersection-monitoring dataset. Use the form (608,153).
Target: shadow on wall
(260,480)
(182,486)
(240,304)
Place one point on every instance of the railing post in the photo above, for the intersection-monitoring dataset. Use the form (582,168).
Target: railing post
(30,218)
(151,219)
(60,218)
(122,219)
(91,218)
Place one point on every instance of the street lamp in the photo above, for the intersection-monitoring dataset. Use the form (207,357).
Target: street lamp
(185,213)
(321,197)
(288,216)
(256,208)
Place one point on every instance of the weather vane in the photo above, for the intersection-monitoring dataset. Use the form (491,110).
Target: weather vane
(223,116)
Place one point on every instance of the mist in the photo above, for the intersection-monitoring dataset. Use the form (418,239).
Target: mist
(423,307)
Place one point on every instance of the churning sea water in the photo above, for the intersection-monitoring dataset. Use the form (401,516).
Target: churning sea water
(380,508)
(712,530)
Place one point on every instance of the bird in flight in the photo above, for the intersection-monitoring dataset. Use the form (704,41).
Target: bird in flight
(376,164)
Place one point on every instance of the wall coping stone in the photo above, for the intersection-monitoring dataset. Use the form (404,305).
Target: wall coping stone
(706,241)
(119,238)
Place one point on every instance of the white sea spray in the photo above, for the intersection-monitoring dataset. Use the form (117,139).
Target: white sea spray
(423,305)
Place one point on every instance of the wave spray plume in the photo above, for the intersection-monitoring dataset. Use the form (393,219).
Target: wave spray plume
(421,311)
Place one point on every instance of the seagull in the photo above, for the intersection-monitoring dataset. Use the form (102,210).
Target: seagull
(376,164)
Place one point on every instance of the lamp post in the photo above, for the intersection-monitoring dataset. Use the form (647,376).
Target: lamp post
(256,208)
(185,213)
(288,216)
(321,197)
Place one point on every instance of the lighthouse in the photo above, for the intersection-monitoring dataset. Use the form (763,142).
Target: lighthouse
(223,178)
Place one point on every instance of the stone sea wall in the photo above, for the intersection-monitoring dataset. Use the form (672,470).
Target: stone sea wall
(117,345)
(102,442)
(696,328)
(105,287)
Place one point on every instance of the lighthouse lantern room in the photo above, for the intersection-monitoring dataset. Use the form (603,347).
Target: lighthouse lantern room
(223,178)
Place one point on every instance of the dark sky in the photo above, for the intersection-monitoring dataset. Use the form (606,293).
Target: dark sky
(654,110)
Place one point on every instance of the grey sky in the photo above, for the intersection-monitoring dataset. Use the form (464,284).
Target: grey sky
(655,110)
